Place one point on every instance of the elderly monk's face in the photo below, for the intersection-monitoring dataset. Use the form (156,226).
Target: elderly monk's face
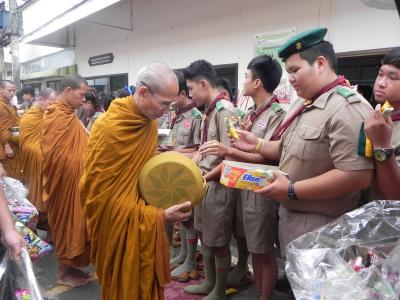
(387,85)
(8,91)
(155,104)
(75,98)
(303,76)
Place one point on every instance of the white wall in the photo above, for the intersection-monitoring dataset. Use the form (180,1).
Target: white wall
(222,31)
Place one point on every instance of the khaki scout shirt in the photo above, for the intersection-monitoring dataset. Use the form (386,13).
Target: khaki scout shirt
(267,122)
(186,131)
(216,131)
(374,193)
(323,138)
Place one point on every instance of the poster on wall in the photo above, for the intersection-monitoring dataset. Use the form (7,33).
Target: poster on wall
(269,43)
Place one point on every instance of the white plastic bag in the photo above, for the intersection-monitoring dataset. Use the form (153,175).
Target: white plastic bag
(356,256)
(18,280)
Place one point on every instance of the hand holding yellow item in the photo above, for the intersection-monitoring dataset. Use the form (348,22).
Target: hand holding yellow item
(231,128)
(386,109)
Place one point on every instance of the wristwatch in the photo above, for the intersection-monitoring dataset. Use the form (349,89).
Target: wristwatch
(291,193)
(382,154)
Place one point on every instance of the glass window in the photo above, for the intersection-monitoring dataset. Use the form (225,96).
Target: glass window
(118,82)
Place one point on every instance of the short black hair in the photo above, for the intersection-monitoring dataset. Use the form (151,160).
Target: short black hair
(28,90)
(182,83)
(226,85)
(73,81)
(106,99)
(201,69)
(121,93)
(93,98)
(4,81)
(392,58)
(267,69)
(324,49)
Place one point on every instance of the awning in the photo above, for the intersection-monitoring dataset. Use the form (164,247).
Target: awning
(71,15)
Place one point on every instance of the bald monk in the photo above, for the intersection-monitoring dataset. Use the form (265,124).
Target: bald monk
(9,153)
(129,239)
(63,143)
(30,152)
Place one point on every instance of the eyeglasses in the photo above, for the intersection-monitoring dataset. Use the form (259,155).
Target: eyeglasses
(163,103)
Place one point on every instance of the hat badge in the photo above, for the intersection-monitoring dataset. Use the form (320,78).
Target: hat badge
(298,45)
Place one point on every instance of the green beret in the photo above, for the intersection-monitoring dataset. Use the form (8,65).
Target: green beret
(301,42)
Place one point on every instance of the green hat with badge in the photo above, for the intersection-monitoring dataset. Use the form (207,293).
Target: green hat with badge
(302,41)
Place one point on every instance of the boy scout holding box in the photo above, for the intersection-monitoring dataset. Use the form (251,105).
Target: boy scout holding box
(259,216)
(318,141)
(213,216)
(384,133)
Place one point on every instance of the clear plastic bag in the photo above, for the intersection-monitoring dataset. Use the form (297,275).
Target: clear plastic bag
(16,193)
(18,281)
(355,257)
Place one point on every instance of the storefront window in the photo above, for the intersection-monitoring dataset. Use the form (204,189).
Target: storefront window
(107,84)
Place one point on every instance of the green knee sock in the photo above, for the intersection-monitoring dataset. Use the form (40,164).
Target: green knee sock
(209,270)
(182,252)
(238,272)
(222,265)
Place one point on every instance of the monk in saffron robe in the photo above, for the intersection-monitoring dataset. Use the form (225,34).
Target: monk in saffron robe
(63,143)
(129,239)
(9,149)
(30,152)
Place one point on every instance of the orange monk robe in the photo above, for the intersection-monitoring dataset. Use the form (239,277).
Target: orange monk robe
(30,129)
(63,143)
(129,239)
(9,118)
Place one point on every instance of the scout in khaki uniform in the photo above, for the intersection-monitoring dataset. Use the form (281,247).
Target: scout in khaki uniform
(225,87)
(260,216)
(384,132)
(185,123)
(318,148)
(213,216)
(185,134)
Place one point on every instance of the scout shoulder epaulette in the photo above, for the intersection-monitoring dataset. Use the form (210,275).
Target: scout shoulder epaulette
(276,107)
(223,104)
(196,113)
(240,112)
(345,92)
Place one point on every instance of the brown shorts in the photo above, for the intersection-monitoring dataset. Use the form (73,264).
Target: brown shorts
(213,216)
(293,224)
(260,219)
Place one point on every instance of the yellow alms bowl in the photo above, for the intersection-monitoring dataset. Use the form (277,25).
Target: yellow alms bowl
(171,178)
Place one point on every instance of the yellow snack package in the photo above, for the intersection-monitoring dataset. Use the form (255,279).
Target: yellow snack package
(246,176)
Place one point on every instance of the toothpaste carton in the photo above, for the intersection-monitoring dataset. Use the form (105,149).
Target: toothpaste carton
(246,176)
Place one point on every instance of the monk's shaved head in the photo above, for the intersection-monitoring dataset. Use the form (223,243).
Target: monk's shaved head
(3,83)
(156,76)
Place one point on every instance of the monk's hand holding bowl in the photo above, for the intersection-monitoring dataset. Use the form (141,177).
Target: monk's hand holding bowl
(179,212)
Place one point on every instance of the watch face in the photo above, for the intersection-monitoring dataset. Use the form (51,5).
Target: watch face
(380,155)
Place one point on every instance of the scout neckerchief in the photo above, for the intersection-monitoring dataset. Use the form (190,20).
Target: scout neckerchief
(248,124)
(282,128)
(396,116)
(208,111)
(178,112)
